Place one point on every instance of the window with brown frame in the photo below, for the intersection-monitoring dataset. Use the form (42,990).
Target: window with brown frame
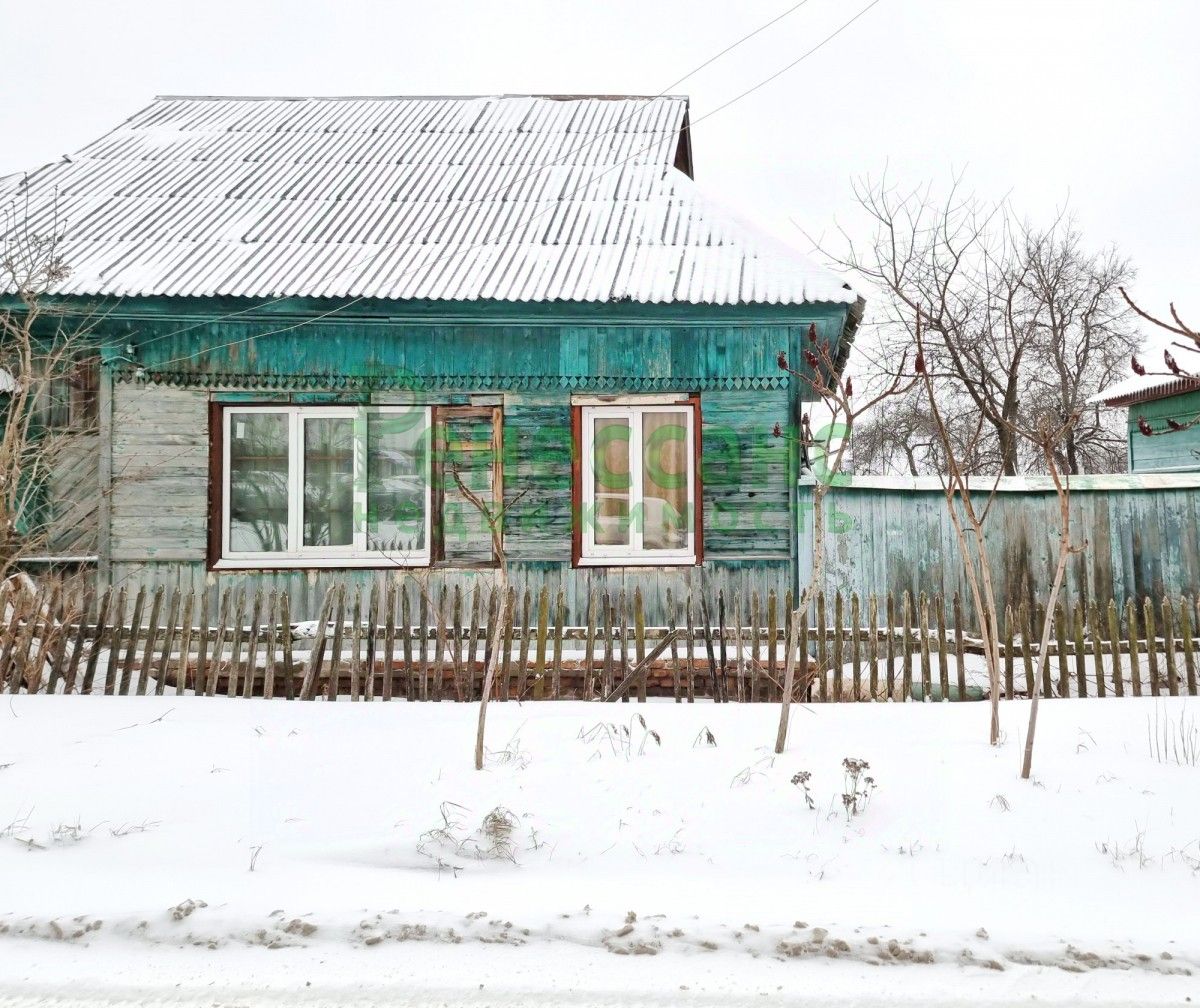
(350,485)
(636,484)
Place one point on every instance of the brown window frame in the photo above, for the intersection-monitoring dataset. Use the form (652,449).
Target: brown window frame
(577,448)
(217,409)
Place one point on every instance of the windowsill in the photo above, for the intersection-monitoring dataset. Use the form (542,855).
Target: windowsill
(637,561)
(324,563)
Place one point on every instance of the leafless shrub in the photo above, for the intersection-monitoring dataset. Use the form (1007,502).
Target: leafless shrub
(857,790)
(1172,742)
(623,740)
(801,780)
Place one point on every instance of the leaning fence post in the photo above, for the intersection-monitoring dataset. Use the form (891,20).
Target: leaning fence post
(1080,654)
(185,644)
(1131,632)
(926,665)
(907,642)
(961,669)
(160,675)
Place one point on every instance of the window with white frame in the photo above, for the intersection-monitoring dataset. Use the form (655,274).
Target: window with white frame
(639,484)
(325,485)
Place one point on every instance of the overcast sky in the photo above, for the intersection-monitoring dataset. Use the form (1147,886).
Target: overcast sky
(1054,100)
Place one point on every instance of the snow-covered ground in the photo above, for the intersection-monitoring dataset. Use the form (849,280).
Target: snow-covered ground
(192,851)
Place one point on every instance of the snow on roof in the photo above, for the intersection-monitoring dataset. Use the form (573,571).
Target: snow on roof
(1144,388)
(514,198)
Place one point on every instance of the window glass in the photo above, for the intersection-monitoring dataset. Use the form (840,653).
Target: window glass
(397,476)
(258,482)
(665,488)
(612,482)
(328,481)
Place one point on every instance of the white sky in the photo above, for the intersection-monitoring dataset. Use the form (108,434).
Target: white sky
(1091,101)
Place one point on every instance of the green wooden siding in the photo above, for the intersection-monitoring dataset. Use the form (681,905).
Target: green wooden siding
(1143,538)
(1178,451)
(530,360)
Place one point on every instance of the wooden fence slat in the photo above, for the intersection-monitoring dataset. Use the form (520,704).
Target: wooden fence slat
(316,655)
(85,617)
(539,653)
(97,641)
(24,642)
(232,679)
(389,641)
(285,631)
(822,640)
(1148,624)
(476,637)
(1097,648)
(372,642)
(723,667)
(135,624)
(1131,634)
(113,672)
(1114,646)
(855,648)
(690,654)
(224,618)
(560,616)
(739,667)
(873,645)
(939,608)
(1064,662)
(839,621)
(333,681)
(926,664)
(589,656)
(639,641)
(271,642)
(890,640)
(54,644)
(906,608)
(252,638)
(406,631)
(1026,626)
(185,644)
(523,660)
(440,628)
(1081,685)
(755,648)
(676,672)
(1168,617)
(772,635)
(164,661)
(423,645)
(202,644)
(454,637)
(1185,633)
(961,670)
(506,659)
(355,667)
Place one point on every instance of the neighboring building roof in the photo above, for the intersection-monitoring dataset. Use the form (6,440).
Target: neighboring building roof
(513,198)
(1145,388)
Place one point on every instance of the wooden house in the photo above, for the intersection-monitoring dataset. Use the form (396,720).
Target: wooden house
(1163,422)
(333,328)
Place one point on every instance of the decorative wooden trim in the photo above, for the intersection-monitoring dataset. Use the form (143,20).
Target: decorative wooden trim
(614,384)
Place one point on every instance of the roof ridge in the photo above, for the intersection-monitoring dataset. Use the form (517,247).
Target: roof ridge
(441,97)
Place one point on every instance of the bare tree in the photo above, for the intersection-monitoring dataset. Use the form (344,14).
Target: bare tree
(826,454)
(1186,341)
(1021,320)
(46,395)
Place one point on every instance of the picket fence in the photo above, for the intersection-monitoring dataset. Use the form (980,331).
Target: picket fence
(401,643)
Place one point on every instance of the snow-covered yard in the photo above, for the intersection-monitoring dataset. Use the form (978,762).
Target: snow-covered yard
(320,853)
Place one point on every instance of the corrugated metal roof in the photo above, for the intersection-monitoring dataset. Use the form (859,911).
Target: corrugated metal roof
(513,198)
(1145,388)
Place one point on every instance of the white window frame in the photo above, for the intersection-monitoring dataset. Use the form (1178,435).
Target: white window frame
(354,555)
(634,553)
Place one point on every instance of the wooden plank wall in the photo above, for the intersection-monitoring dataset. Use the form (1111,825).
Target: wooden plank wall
(1144,539)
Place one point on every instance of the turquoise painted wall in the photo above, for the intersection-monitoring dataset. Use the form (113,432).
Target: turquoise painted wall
(1177,451)
(533,357)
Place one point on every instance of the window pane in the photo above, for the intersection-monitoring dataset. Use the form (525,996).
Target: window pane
(329,481)
(258,482)
(396,466)
(612,482)
(665,490)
